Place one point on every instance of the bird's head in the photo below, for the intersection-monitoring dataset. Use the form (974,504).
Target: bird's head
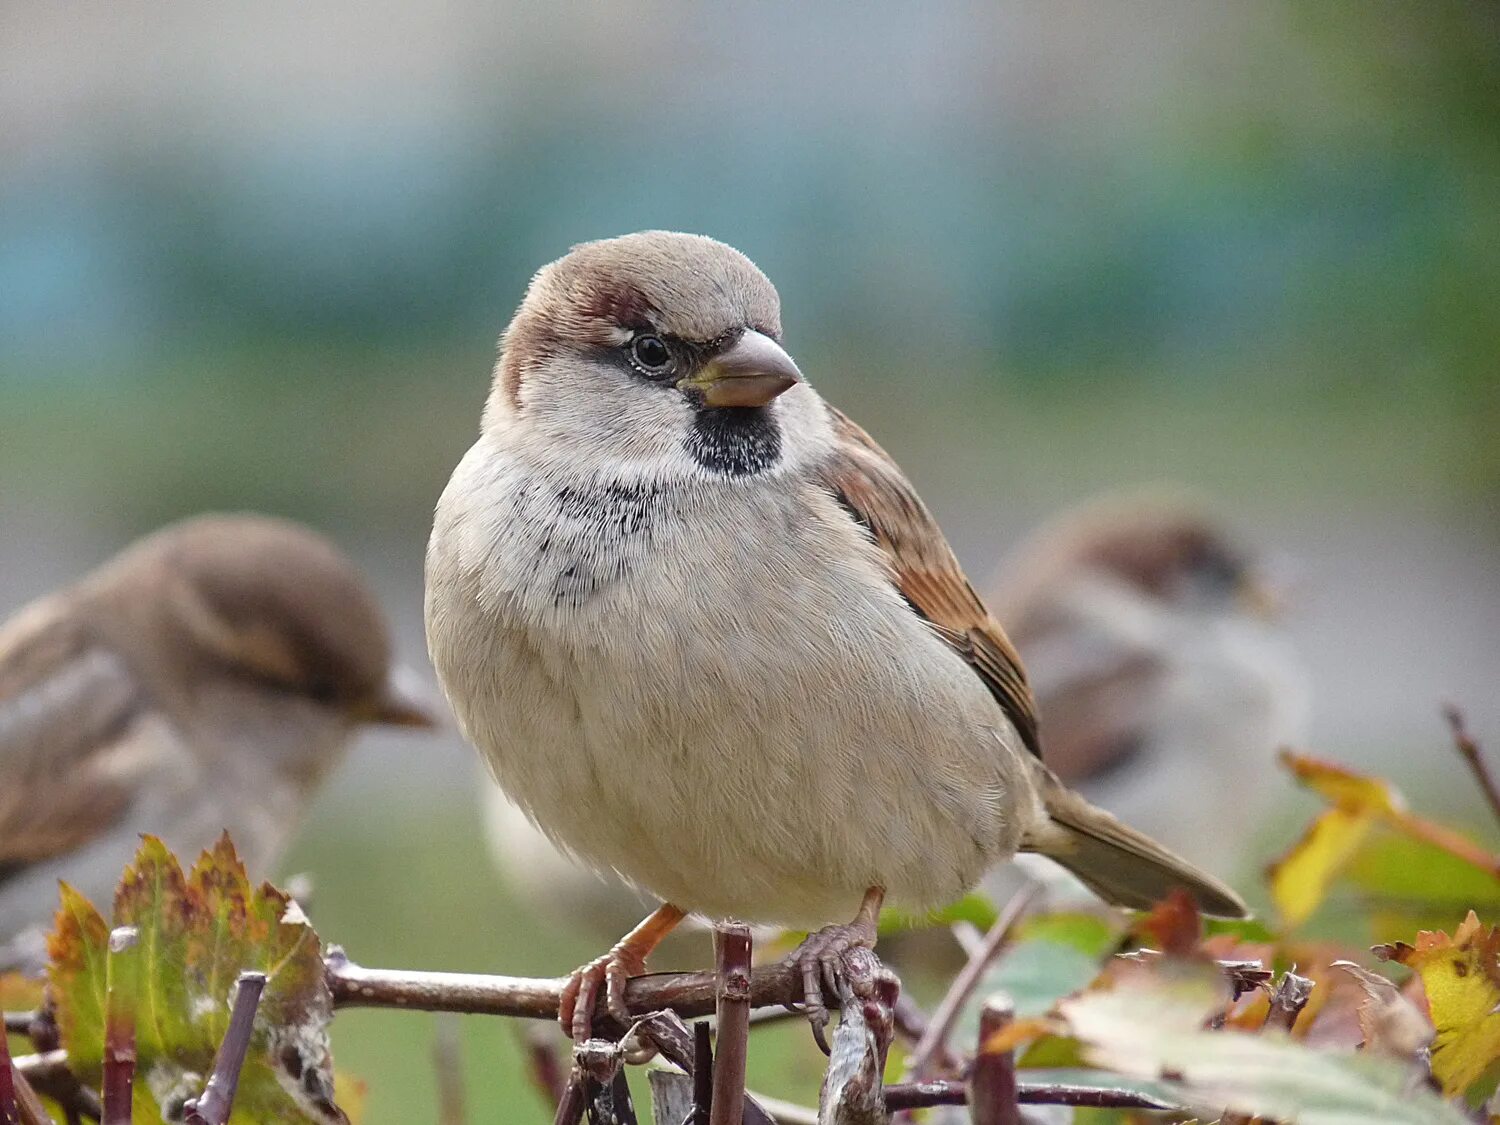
(656,354)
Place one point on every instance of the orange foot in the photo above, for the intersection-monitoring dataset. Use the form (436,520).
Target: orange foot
(820,959)
(611,972)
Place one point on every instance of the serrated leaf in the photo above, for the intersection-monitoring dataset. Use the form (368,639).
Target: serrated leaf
(195,934)
(1461,976)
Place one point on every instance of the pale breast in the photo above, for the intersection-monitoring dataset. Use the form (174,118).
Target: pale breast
(712,689)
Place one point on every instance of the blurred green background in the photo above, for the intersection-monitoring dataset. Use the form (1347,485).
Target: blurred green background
(257,257)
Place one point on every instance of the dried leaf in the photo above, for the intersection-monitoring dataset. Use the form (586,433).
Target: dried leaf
(1390,1023)
(1461,977)
(196,934)
(1173,925)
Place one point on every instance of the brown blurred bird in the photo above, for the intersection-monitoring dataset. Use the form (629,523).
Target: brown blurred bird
(706,633)
(207,678)
(1162,673)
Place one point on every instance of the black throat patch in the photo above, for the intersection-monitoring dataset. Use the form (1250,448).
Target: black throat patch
(735,440)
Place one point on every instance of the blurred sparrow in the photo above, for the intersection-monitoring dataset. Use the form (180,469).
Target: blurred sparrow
(707,635)
(1164,680)
(208,678)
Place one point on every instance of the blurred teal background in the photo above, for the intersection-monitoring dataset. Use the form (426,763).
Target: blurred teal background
(257,257)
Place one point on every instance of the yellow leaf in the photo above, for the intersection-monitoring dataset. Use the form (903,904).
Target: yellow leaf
(1461,976)
(1020,1032)
(1343,788)
(1300,879)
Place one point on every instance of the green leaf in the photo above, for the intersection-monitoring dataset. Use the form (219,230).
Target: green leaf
(1090,934)
(975,908)
(196,933)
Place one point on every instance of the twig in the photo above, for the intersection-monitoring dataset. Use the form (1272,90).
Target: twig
(448,1069)
(609,1102)
(703,1075)
(732,968)
(921,1095)
(690,995)
(946,1015)
(992,1081)
(575,1097)
(852,1092)
(10,1113)
(19,1023)
(1287,1002)
(48,1073)
(217,1100)
(121,993)
(543,1062)
(1473,755)
(671,1096)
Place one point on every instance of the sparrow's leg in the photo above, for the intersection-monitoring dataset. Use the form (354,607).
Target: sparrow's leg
(627,958)
(820,958)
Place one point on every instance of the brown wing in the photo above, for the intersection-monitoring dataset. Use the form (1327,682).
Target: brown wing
(69,711)
(871,486)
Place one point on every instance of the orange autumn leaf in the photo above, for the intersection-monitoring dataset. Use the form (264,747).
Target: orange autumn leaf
(1461,978)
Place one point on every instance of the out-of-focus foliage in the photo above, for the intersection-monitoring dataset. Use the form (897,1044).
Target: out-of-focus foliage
(1407,867)
(195,934)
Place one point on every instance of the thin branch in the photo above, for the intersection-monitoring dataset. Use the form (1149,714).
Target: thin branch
(543,1062)
(448,1069)
(852,1092)
(610,1103)
(575,1097)
(921,1095)
(732,970)
(10,1113)
(48,1073)
(946,1015)
(217,1100)
(992,1081)
(121,994)
(1473,755)
(1287,1002)
(690,995)
(703,1075)
(19,1023)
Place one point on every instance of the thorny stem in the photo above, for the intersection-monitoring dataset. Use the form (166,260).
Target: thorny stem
(216,1102)
(946,1015)
(448,1069)
(1473,754)
(992,1081)
(732,992)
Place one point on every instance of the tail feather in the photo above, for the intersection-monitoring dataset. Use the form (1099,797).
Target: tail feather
(1117,863)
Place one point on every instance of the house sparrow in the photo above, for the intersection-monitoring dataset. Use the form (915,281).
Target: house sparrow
(706,634)
(1164,680)
(207,678)
(1153,648)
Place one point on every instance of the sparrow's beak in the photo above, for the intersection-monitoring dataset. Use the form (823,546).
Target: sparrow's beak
(406,702)
(750,372)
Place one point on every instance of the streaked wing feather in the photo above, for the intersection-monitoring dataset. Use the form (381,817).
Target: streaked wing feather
(69,713)
(871,487)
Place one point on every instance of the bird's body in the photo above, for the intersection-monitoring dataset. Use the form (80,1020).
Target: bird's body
(208,679)
(706,633)
(643,741)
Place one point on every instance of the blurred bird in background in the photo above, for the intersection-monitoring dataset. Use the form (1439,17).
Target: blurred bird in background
(1164,678)
(207,678)
(1162,674)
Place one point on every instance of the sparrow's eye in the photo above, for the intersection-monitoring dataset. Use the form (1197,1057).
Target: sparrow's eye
(650,354)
